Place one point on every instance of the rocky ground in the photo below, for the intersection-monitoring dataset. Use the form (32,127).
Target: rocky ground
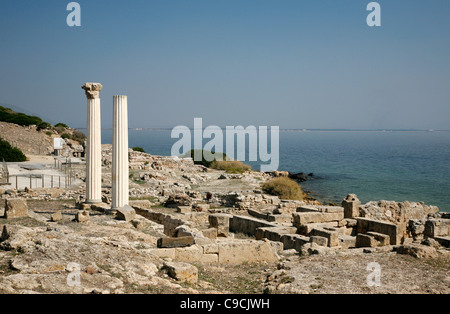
(33,142)
(107,255)
(347,272)
(112,256)
(26,138)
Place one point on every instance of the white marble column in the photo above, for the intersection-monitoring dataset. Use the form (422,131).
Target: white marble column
(94,145)
(120,170)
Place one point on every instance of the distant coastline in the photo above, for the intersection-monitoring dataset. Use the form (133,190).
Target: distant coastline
(300,130)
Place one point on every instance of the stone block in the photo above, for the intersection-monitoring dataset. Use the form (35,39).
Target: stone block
(365,240)
(320,209)
(392,230)
(300,241)
(84,206)
(209,258)
(351,222)
(82,216)
(444,241)
(304,218)
(140,203)
(257,214)
(331,209)
(126,213)
(163,253)
(437,227)
(184,209)
(221,222)
(416,228)
(183,231)
(175,242)
(293,241)
(191,254)
(210,233)
(306,229)
(332,236)
(347,242)
(182,272)
(248,225)
(276,246)
(211,249)
(238,252)
(306,209)
(101,207)
(195,254)
(322,241)
(351,205)
(280,218)
(56,217)
(273,233)
(16,208)
(349,231)
(170,225)
(201,240)
(382,239)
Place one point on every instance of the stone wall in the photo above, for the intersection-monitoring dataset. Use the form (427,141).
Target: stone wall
(227,252)
(248,225)
(170,223)
(244,201)
(395,212)
(394,231)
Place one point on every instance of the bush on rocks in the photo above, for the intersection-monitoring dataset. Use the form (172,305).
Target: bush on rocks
(285,188)
(9,153)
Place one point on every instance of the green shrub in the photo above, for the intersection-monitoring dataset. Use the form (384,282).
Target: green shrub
(8,115)
(206,157)
(138,149)
(49,133)
(78,136)
(44,126)
(10,154)
(230,166)
(66,136)
(284,187)
(62,125)
(60,129)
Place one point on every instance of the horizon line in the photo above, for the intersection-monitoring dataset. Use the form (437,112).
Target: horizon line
(288,129)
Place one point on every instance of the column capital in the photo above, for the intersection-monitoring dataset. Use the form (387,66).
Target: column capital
(92,90)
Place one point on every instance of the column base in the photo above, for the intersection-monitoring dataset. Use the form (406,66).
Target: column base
(114,210)
(93,202)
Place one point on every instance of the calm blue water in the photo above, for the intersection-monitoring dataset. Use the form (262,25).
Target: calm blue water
(398,166)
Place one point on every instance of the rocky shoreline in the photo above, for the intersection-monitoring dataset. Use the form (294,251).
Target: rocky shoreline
(191,229)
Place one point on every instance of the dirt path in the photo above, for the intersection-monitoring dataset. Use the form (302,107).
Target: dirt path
(347,273)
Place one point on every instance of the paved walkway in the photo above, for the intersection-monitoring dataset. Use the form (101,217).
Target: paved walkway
(40,172)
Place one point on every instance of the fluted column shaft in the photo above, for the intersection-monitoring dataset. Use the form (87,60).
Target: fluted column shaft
(120,172)
(94,145)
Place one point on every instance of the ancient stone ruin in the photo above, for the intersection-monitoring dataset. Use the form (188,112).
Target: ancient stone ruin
(176,214)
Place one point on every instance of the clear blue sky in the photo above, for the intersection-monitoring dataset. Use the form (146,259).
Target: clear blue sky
(287,63)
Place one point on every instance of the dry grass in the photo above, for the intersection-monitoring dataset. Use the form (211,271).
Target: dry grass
(230,166)
(285,188)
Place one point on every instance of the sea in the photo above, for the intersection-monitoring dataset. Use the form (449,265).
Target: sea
(374,165)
